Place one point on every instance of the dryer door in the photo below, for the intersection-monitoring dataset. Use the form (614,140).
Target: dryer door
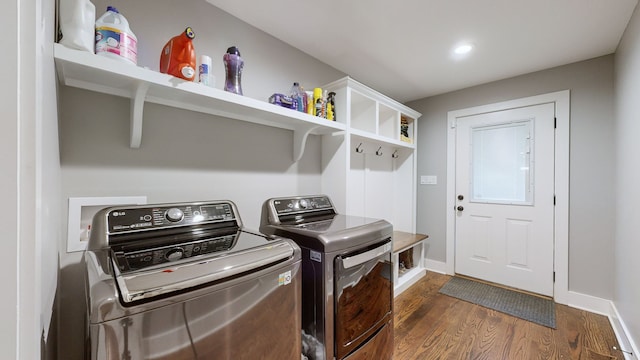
(364,295)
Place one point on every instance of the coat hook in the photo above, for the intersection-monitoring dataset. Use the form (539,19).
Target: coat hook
(395,154)
(378,152)
(359,148)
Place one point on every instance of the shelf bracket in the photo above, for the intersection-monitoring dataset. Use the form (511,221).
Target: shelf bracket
(137,107)
(300,136)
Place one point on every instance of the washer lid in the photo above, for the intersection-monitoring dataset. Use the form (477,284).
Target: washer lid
(167,278)
(341,232)
(312,222)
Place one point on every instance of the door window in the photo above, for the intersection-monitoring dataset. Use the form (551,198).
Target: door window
(501,163)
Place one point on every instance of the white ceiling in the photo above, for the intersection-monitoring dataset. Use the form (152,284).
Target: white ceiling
(404,48)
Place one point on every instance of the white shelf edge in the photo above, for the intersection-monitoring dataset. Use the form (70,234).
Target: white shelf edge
(367,136)
(347,81)
(88,71)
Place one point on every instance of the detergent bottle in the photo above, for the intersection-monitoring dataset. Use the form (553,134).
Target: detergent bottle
(178,57)
(233,65)
(114,38)
(78,24)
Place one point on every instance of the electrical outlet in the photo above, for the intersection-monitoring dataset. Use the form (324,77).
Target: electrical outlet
(428,180)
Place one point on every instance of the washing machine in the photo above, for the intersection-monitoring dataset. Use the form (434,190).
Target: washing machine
(188,281)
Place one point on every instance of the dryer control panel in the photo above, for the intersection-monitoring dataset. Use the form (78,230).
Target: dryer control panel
(301,204)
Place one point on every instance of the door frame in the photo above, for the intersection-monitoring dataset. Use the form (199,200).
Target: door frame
(561,100)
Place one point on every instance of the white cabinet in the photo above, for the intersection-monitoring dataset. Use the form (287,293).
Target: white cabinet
(372,172)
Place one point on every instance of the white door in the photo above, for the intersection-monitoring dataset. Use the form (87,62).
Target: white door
(504,227)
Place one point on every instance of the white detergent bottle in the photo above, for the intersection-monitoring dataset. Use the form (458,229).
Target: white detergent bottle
(77,24)
(114,38)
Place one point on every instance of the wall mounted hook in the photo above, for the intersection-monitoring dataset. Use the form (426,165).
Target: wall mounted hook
(395,154)
(378,152)
(359,148)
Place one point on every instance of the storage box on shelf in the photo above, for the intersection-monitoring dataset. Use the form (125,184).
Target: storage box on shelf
(406,129)
(91,72)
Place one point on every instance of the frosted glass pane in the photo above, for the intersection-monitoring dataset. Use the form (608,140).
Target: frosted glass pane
(501,164)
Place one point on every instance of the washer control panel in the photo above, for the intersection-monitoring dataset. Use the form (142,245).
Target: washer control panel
(146,218)
(301,204)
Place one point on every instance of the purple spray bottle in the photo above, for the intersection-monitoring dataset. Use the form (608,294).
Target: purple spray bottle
(233,65)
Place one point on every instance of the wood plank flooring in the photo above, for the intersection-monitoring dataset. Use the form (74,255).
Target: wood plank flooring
(429,325)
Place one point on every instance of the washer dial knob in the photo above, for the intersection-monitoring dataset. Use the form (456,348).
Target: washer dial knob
(303,203)
(174,254)
(174,215)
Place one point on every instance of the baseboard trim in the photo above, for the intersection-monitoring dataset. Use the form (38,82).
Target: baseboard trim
(607,308)
(436,266)
(589,303)
(620,329)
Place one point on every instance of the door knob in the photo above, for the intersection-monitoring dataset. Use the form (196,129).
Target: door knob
(460,197)
(460,208)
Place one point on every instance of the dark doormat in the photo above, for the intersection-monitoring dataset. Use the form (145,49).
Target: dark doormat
(528,307)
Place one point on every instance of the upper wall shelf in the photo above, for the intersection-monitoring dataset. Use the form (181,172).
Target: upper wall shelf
(372,116)
(96,73)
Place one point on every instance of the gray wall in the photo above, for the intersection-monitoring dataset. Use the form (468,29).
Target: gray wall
(9,180)
(627,244)
(591,245)
(185,156)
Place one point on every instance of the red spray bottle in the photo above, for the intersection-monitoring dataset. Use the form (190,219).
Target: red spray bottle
(178,56)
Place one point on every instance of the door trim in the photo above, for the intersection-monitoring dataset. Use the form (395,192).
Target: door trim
(561,100)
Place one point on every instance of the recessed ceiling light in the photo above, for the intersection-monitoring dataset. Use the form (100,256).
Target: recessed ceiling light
(463,49)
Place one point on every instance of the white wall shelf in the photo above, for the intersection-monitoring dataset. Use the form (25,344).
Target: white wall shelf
(372,115)
(96,73)
(359,135)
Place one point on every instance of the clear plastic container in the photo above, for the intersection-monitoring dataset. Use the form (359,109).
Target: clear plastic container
(114,38)
(299,95)
(205,76)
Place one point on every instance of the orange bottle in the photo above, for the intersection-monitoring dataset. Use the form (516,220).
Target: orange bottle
(178,57)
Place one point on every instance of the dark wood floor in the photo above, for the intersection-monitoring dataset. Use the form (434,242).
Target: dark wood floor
(429,325)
